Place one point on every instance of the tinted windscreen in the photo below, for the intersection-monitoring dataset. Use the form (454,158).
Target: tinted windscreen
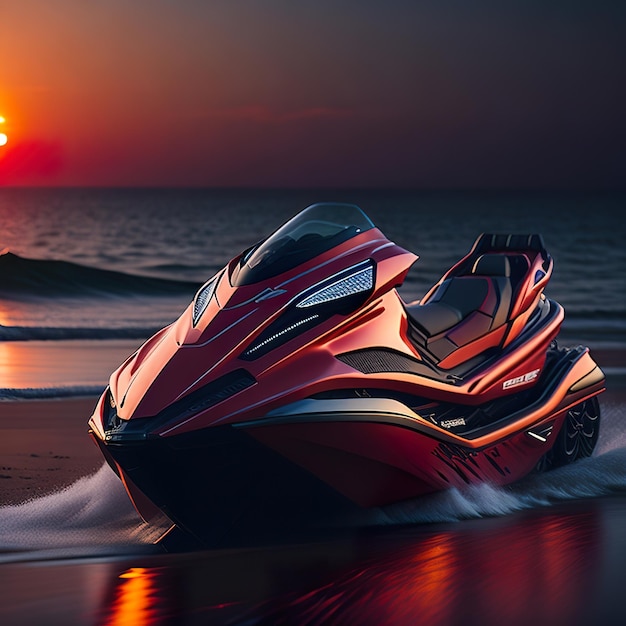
(314,230)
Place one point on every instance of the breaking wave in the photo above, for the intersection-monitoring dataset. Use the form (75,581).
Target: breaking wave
(44,333)
(34,277)
(35,393)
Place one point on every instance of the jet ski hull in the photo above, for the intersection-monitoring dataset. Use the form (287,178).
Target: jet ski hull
(322,463)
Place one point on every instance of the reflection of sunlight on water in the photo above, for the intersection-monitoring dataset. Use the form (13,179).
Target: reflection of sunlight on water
(534,569)
(423,574)
(136,599)
(8,364)
(41,364)
(505,577)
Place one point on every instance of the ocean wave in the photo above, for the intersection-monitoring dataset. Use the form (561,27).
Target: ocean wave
(39,333)
(46,393)
(205,270)
(598,315)
(47,278)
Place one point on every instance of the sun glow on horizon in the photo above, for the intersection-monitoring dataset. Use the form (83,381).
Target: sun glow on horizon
(3,137)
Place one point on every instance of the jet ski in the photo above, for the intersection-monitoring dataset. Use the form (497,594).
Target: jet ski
(298,387)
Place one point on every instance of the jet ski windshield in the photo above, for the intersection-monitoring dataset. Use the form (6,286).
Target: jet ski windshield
(314,230)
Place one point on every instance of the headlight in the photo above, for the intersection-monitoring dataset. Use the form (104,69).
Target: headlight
(203,297)
(355,280)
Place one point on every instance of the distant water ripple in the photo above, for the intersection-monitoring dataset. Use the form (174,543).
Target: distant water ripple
(48,333)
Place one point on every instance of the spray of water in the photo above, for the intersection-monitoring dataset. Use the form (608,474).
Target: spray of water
(93,513)
(602,474)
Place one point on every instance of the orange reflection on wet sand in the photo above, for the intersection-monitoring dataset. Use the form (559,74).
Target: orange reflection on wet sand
(136,599)
(533,571)
(25,364)
(41,364)
(11,365)
(538,570)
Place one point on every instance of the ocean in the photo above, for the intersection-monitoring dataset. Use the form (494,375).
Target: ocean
(112,266)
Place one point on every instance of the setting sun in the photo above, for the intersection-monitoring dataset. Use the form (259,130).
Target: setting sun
(3,137)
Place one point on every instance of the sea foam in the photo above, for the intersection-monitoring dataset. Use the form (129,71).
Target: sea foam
(602,474)
(94,512)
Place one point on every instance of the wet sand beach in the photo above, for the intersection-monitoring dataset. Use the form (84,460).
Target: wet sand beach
(44,446)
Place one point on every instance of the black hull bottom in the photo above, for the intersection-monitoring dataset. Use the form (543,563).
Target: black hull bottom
(223,488)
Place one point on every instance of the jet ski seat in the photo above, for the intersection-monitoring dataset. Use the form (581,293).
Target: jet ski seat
(497,269)
(469,305)
(487,288)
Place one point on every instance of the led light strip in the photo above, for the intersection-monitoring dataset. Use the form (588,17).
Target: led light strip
(282,332)
(203,298)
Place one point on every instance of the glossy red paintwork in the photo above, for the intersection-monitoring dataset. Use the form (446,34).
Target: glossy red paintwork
(186,358)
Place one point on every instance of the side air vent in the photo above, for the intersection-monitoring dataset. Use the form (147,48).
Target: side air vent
(382,360)
(379,360)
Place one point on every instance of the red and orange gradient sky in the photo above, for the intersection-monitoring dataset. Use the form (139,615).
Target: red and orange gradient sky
(437,93)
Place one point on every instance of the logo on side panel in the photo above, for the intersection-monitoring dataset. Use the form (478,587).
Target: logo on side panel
(521,380)
(459,421)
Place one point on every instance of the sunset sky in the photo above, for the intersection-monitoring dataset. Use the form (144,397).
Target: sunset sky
(335,93)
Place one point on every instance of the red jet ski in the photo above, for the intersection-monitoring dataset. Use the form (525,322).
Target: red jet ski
(298,386)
